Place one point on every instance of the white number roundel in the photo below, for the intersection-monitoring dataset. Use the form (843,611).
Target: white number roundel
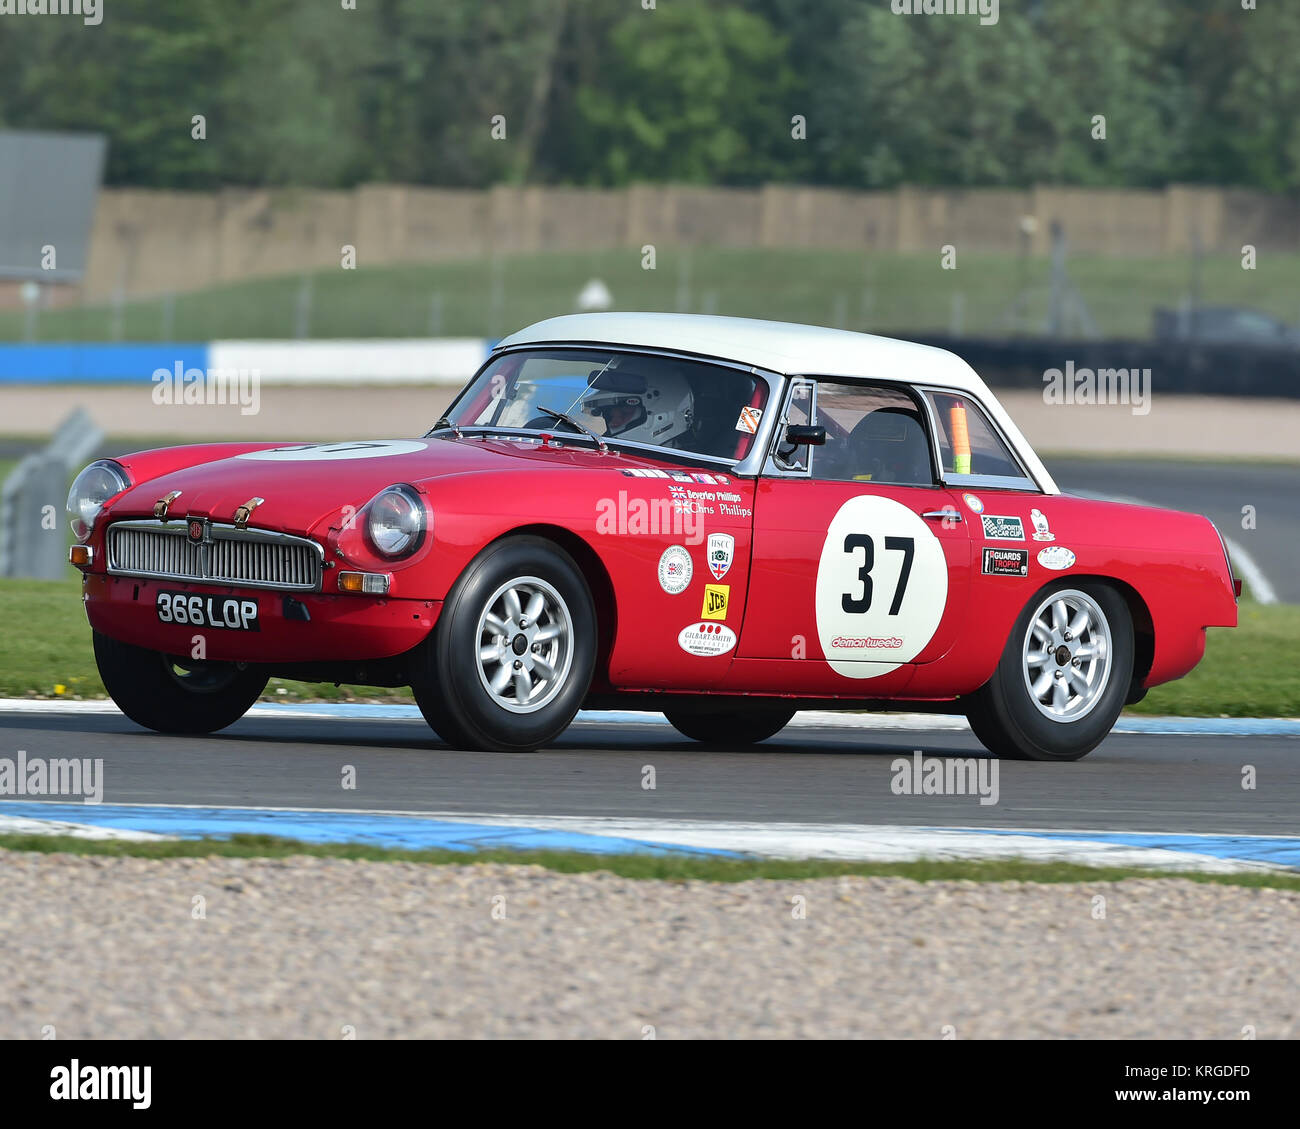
(332,452)
(882,584)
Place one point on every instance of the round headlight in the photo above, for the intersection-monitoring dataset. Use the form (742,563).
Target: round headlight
(90,490)
(396,522)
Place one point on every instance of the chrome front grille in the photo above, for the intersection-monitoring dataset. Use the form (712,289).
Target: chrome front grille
(252,558)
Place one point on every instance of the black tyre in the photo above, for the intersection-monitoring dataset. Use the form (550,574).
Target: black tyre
(746,725)
(511,658)
(1062,678)
(175,695)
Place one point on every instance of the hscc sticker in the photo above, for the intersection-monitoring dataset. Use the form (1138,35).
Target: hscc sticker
(976,506)
(706,639)
(721,549)
(1006,562)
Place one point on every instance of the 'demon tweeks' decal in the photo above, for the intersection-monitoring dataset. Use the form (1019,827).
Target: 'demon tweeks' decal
(882,584)
(332,452)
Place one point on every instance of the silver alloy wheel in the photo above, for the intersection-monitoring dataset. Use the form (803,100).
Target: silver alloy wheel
(1067,655)
(525,644)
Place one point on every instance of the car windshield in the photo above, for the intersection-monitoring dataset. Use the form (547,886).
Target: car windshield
(688,406)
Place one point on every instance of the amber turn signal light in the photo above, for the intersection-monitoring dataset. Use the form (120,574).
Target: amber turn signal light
(368,583)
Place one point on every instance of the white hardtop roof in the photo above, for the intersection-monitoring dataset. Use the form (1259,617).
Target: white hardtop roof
(778,346)
(783,347)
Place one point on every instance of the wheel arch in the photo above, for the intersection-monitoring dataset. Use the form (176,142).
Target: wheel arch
(1144,632)
(598,580)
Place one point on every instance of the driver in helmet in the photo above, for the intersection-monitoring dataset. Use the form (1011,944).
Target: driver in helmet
(654,408)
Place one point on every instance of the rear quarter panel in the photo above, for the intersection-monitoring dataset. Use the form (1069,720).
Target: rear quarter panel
(1170,565)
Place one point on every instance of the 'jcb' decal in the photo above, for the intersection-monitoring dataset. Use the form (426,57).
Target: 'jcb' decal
(715,601)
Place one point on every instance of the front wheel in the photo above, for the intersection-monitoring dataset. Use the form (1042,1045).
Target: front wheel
(1062,679)
(512,656)
(174,695)
(726,729)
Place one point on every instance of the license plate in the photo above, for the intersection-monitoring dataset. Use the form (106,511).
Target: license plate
(229,613)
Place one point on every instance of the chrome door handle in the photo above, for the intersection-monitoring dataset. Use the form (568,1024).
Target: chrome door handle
(943,515)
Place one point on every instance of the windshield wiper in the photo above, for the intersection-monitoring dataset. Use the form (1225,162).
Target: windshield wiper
(573,423)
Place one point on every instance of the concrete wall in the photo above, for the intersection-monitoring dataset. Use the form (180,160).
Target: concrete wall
(149,242)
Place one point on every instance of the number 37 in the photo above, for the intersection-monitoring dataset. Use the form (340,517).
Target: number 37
(855,541)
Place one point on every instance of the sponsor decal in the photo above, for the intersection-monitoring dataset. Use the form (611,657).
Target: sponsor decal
(976,506)
(675,570)
(690,500)
(708,479)
(691,497)
(850,642)
(997,528)
(706,639)
(748,420)
(645,472)
(681,476)
(1056,557)
(1041,531)
(715,601)
(1006,562)
(722,549)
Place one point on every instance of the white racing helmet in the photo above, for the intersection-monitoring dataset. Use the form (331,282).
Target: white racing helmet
(652,408)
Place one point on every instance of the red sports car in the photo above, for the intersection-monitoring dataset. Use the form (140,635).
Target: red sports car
(720,519)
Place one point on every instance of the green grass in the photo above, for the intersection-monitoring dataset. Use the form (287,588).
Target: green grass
(880,292)
(672,868)
(1252,671)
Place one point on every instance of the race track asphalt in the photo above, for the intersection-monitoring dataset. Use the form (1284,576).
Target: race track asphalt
(1132,782)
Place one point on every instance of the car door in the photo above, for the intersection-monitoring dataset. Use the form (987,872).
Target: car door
(861,559)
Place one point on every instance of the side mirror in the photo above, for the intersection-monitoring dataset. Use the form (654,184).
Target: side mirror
(805,435)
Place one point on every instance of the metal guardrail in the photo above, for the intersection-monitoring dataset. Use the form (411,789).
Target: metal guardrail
(33,529)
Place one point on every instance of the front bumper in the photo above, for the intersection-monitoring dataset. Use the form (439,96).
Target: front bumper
(336,627)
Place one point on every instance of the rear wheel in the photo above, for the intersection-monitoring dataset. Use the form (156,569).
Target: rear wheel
(730,730)
(1062,678)
(175,695)
(511,658)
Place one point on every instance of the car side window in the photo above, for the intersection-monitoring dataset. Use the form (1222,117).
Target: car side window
(874,433)
(968,443)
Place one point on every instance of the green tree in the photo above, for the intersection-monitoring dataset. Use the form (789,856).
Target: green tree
(691,92)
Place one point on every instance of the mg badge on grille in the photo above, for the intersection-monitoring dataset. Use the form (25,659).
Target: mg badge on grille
(198,530)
